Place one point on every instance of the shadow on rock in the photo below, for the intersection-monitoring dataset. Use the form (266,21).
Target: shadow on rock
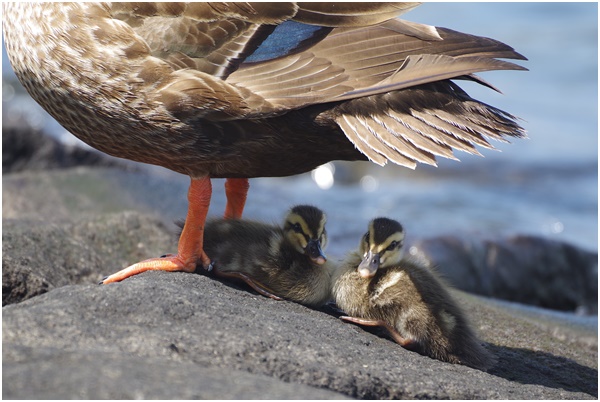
(541,368)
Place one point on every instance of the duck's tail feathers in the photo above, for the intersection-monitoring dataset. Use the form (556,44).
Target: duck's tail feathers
(417,124)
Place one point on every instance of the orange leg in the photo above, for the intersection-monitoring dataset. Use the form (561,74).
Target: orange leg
(236,191)
(189,250)
(407,343)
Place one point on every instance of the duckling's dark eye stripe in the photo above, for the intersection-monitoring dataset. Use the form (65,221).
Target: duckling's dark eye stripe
(393,242)
(297,221)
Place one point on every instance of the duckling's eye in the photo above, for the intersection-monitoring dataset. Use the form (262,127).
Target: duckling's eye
(393,245)
(296,228)
(366,237)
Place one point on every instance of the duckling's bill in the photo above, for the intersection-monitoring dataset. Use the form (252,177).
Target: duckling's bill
(315,253)
(369,265)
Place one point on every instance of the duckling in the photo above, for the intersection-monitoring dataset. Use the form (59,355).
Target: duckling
(277,261)
(376,286)
(244,90)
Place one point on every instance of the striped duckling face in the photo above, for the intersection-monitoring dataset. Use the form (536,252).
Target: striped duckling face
(305,230)
(381,246)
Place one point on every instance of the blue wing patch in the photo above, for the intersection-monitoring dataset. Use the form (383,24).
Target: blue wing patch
(287,38)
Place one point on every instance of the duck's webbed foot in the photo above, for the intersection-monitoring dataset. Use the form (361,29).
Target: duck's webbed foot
(404,342)
(260,288)
(190,252)
(169,262)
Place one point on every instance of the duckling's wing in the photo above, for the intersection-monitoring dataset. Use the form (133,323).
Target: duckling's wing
(393,288)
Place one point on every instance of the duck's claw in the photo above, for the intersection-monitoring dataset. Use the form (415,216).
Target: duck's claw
(210,267)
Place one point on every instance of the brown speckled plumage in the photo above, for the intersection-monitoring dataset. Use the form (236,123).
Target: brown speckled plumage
(151,84)
(190,87)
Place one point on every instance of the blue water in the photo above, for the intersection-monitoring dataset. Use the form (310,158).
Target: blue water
(546,185)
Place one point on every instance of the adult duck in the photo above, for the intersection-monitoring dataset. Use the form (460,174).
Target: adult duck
(241,90)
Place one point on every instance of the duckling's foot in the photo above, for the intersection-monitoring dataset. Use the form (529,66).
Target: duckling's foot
(236,191)
(263,290)
(406,343)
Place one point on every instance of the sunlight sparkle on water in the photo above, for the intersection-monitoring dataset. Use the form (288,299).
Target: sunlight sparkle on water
(369,183)
(323,176)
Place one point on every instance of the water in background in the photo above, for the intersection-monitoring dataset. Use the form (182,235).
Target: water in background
(546,185)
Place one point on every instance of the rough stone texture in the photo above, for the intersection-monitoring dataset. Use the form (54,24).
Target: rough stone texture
(157,320)
(177,335)
(524,269)
(40,256)
(93,375)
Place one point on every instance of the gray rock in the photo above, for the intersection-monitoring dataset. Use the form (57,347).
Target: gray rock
(92,375)
(525,269)
(197,321)
(39,256)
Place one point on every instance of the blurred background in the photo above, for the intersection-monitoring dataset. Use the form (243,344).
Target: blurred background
(546,185)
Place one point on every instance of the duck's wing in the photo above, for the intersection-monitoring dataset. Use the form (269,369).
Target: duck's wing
(231,61)
(394,78)
(373,60)
(184,53)
(216,38)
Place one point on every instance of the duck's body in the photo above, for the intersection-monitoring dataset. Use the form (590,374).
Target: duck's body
(240,90)
(273,258)
(410,301)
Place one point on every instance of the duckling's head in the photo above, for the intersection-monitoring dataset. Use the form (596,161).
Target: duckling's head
(305,230)
(381,246)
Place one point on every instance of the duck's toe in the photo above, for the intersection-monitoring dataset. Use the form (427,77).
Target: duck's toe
(170,262)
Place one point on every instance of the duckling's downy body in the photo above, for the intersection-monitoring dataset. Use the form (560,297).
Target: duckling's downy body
(377,287)
(283,261)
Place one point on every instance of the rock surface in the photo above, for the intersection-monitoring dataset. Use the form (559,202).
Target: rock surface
(164,324)
(524,269)
(183,336)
